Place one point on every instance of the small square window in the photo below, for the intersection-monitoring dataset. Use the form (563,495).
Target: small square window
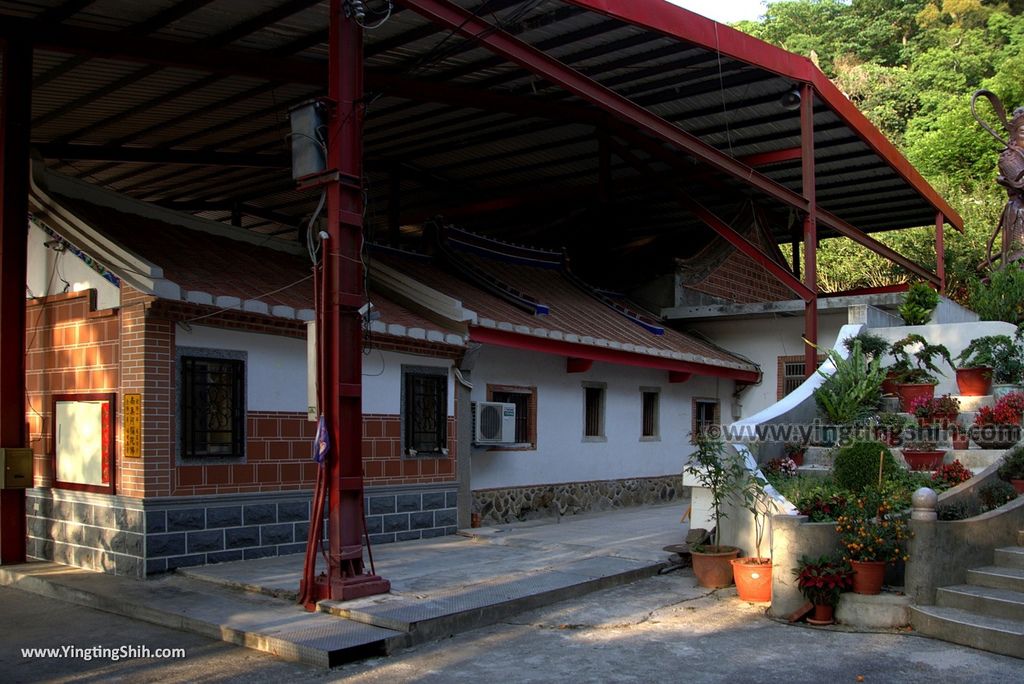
(425,413)
(593,411)
(649,413)
(212,407)
(705,414)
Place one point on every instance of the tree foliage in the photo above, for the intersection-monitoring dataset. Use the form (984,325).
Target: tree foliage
(910,67)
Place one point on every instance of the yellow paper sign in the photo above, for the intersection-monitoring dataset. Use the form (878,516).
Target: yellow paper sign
(133,425)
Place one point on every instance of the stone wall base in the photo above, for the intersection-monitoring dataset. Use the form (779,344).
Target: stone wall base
(138,537)
(512,504)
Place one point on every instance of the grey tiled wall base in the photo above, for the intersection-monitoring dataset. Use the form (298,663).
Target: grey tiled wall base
(138,537)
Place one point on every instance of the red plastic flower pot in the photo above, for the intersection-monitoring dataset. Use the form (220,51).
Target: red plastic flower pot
(974,382)
(909,392)
(868,576)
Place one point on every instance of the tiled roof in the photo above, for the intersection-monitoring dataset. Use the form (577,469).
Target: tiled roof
(574,315)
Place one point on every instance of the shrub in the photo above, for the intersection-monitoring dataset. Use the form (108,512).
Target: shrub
(958,510)
(1001,298)
(873,346)
(995,494)
(918,304)
(821,506)
(856,465)
(1012,467)
(874,528)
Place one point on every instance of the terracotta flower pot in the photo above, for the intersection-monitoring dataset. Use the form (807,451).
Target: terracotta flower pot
(923,460)
(798,457)
(889,384)
(910,391)
(868,576)
(960,440)
(712,566)
(974,382)
(1018,485)
(824,614)
(753,577)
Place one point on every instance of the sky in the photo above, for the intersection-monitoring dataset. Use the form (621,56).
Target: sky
(724,11)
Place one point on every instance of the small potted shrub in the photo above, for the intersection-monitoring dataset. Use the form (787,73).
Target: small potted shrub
(781,468)
(853,392)
(916,370)
(874,346)
(918,304)
(935,411)
(892,427)
(723,476)
(959,438)
(975,365)
(950,475)
(874,532)
(1007,362)
(795,451)
(821,581)
(753,574)
(998,427)
(923,452)
(1012,469)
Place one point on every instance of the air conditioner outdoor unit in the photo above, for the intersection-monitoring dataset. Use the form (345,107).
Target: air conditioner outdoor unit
(494,422)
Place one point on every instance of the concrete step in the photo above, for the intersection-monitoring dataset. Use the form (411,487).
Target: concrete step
(814,470)
(441,614)
(975,460)
(972,404)
(997,577)
(999,603)
(819,456)
(958,626)
(1010,557)
(266,624)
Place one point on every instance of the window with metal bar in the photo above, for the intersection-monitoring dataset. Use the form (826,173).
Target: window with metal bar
(213,407)
(523,414)
(593,411)
(649,413)
(426,413)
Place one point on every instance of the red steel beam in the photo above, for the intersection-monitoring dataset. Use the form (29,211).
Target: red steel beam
(773,157)
(809,184)
(692,28)
(447,14)
(15,125)
(719,226)
(619,357)
(341,351)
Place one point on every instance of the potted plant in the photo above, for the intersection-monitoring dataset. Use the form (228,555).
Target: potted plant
(795,451)
(916,370)
(874,533)
(723,476)
(781,467)
(959,438)
(1007,362)
(935,411)
(821,581)
(950,475)
(923,453)
(753,574)
(1012,469)
(853,392)
(918,304)
(891,428)
(998,427)
(874,346)
(975,365)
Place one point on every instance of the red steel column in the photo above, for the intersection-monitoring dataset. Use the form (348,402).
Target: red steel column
(342,339)
(810,226)
(15,125)
(940,250)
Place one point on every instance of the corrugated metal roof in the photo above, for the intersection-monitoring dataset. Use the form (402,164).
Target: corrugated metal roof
(451,151)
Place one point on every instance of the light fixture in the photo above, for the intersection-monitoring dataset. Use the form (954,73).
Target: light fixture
(790,99)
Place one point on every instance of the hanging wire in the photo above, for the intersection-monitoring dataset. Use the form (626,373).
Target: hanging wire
(721,91)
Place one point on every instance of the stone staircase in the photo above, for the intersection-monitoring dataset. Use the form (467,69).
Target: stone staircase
(987,612)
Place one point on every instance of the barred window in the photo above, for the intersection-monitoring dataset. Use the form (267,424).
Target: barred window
(521,398)
(649,413)
(425,413)
(212,407)
(593,410)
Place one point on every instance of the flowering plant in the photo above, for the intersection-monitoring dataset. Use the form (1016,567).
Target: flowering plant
(950,475)
(871,529)
(1000,415)
(821,580)
(1014,401)
(935,407)
(786,467)
(821,507)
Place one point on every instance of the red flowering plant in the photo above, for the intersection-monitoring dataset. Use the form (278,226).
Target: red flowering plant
(822,580)
(1000,415)
(950,475)
(821,506)
(929,410)
(781,467)
(1014,401)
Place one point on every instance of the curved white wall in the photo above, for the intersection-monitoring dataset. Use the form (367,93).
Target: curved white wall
(562,455)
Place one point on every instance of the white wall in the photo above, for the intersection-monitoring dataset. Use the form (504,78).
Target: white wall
(276,370)
(763,341)
(46,267)
(562,455)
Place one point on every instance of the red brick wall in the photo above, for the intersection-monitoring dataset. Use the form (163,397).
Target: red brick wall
(741,279)
(383,463)
(69,348)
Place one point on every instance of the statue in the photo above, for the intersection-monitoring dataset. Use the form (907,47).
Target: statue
(1011,177)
